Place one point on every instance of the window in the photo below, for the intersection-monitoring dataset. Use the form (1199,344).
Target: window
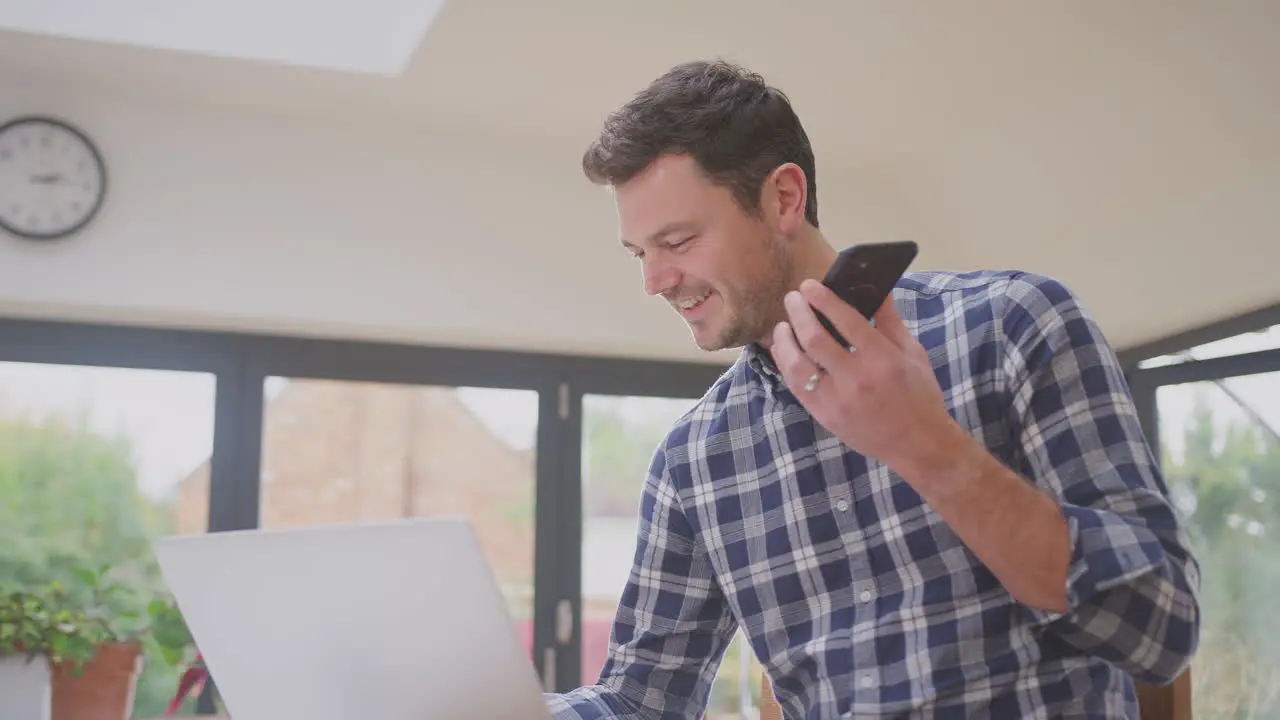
(619,437)
(1220,442)
(315,432)
(336,451)
(99,454)
(96,462)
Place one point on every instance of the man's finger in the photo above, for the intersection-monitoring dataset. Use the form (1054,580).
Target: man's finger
(890,324)
(795,366)
(814,339)
(855,328)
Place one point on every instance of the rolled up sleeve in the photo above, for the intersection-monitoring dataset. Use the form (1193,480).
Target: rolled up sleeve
(1133,581)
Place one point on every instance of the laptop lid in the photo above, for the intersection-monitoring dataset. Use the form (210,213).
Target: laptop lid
(393,621)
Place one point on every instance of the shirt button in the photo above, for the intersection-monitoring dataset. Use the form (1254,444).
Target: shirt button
(842,505)
(868,681)
(865,596)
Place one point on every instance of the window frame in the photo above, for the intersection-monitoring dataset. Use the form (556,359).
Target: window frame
(241,362)
(1145,384)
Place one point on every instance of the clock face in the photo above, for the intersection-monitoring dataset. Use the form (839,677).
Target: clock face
(52,179)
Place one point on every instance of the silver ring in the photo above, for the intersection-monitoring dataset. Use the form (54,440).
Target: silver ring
(814,379)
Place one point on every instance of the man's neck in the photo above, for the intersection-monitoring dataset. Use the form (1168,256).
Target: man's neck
(820,260)
(811,257)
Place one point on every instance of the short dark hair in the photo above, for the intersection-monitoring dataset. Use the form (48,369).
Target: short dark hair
(734,125)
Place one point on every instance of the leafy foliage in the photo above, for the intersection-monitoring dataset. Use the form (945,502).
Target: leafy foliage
(68,625)
(42,623)
(75,552)
(56,475)
(617,453)
(1227,486)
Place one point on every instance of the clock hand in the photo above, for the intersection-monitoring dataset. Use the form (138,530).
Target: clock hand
(50,179)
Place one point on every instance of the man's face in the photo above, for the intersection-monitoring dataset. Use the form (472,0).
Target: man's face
(723,270)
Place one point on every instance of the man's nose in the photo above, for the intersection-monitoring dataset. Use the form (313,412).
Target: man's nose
(659,275)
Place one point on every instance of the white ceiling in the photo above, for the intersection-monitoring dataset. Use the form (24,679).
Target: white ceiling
(1129,148)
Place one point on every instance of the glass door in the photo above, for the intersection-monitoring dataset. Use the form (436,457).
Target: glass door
(96,463)
(1220,447)
(337,451)
(619,437)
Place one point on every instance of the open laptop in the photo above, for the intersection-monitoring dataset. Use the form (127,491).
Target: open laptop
(395,621)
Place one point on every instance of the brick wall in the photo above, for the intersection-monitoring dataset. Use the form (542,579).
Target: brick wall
(337,452)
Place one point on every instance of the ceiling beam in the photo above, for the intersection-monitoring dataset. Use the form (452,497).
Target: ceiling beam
(1250,321)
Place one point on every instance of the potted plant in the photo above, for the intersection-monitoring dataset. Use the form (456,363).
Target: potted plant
(92,641)
(98,683)
(38,630)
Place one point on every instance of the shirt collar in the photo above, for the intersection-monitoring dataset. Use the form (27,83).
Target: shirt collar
(761,363)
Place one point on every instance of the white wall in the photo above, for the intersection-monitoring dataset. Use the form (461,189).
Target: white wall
(223,218)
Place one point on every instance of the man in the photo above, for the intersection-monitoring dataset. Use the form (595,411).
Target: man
(958,518)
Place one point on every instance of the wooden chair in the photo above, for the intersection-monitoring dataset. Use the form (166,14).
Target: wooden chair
(1155,702)
(1166,701)
(769,708)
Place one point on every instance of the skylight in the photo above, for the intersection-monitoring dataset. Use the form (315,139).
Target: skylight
(369,36)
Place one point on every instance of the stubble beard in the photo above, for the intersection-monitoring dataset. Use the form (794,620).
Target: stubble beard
(756,309)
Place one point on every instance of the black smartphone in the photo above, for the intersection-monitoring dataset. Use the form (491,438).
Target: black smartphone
(864,275)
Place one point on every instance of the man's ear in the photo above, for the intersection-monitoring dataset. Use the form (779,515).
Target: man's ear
(784,196)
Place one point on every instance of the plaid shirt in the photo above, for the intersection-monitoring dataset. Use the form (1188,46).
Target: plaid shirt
(855,596)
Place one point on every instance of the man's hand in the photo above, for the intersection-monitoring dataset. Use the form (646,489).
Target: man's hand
(882,398)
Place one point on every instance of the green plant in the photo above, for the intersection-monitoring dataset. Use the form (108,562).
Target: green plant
(172,639)
(42,621)
(68,622)
(168,632)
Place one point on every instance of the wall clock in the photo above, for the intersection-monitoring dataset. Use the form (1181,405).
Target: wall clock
(52,178)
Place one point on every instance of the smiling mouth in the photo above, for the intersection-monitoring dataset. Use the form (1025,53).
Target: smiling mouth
(691,303)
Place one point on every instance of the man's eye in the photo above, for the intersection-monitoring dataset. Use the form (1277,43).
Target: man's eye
(679,243)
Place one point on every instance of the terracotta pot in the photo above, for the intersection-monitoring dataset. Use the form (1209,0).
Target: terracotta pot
(104,689)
